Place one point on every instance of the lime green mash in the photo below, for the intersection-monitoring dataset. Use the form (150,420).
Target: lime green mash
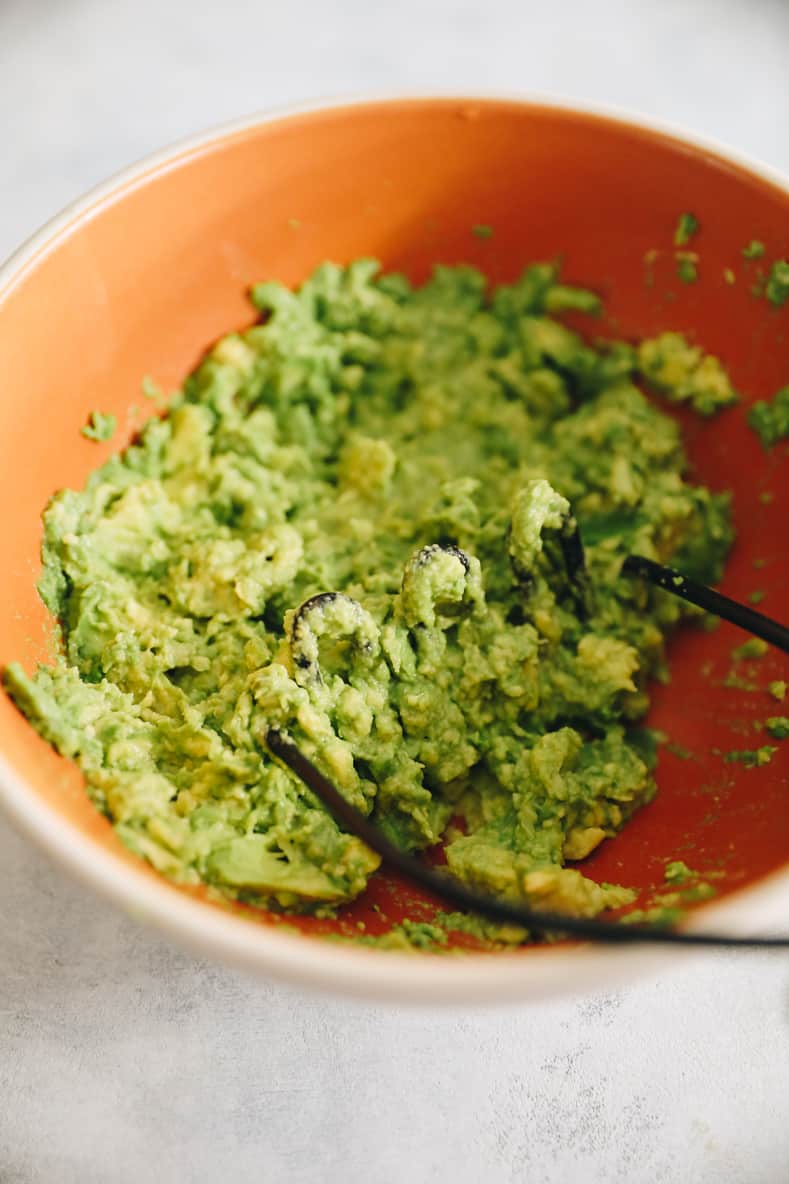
(348,526)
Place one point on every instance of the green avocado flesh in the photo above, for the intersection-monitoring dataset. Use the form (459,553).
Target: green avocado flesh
(348,526)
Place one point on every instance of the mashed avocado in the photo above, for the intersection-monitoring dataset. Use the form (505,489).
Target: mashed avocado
(770,418)
(351,524)
(100,427)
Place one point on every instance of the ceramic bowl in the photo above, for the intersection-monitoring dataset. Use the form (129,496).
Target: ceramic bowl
(139,277)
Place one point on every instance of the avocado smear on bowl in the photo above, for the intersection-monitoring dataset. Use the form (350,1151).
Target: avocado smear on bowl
(344,527)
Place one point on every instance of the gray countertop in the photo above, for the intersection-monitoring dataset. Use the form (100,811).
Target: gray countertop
(123,1059)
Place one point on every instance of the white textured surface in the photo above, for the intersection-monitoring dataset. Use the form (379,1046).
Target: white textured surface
(123,1060)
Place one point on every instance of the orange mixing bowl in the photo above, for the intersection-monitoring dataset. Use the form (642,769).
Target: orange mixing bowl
(141,276)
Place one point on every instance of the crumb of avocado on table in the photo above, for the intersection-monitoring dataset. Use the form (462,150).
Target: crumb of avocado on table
(687,226)
(342,528)
(729,276)
(100,427)
(777,287)
(754,250)
(777,726)
(757,596)
(482,231)
(770,418)
(777,689)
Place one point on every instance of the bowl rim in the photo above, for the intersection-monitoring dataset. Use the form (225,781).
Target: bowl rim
(319,964)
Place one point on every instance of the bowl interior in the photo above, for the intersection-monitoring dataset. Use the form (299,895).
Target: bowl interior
(142,281)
